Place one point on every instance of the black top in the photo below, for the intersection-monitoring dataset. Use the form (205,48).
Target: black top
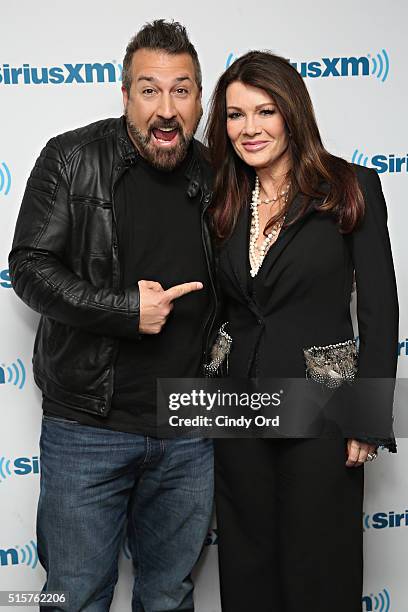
(154,212)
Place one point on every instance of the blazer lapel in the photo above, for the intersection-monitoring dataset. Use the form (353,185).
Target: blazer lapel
(237,250)
(238,245)
(287,233)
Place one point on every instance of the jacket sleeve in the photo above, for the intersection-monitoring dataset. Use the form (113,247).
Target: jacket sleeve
(37,271)
(377,301)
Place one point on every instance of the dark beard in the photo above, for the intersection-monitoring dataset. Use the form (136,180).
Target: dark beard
(162,159)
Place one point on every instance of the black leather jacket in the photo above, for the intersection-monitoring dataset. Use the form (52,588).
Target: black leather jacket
(64,261)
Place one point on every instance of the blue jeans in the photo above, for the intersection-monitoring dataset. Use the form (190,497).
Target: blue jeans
(92,480)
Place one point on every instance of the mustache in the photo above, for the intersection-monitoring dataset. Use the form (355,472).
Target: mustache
(169,125)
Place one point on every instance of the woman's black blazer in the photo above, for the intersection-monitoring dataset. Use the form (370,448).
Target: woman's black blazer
(302,292)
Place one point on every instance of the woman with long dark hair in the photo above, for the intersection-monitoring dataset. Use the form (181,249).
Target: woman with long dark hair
(295,225)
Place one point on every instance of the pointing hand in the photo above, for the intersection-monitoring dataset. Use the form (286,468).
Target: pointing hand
(156,303)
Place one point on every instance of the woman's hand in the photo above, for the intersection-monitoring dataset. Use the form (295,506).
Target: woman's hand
(357,452)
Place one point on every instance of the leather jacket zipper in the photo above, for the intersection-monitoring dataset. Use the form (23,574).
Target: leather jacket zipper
(205,199)
(120,171)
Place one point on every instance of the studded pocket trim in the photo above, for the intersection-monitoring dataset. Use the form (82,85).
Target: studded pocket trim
(333,364)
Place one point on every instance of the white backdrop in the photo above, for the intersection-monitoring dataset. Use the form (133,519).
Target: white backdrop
(352,55)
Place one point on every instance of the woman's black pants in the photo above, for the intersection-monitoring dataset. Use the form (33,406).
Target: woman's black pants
(289,517)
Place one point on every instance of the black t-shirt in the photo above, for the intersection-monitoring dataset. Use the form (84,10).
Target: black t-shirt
(159,238)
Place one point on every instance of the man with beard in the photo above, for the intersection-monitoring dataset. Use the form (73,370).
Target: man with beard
(111,248)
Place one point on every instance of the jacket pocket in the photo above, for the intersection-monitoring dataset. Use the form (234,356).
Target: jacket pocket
(218,366)
(333,364)
(91,225)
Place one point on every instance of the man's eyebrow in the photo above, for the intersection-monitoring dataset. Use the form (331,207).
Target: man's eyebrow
(183,78)
(152,79)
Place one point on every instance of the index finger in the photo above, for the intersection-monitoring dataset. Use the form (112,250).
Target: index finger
(353,453)
(179,290)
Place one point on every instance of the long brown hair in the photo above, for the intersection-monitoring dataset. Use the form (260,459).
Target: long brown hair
(314,172)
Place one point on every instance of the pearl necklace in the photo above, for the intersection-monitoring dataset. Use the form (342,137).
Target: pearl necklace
(257,254)
(282,194)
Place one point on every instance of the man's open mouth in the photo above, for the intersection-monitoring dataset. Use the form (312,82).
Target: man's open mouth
(165,135)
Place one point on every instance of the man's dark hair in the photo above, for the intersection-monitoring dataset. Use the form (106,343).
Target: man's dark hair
(160,35)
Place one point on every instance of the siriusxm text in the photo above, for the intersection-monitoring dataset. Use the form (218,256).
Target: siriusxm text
(334,67)
(57,75)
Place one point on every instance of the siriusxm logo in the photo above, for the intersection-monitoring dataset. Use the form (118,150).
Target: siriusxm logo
(212,537)
(109,72)
(383,520)
(20,466)
(382,163)
(403,348)
(377,603)
(365,65)
(5,279)
(20,555)
(5,179)
(13,374)
(377,65)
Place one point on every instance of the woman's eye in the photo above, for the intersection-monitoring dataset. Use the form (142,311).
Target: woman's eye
(268,111)
(234,115)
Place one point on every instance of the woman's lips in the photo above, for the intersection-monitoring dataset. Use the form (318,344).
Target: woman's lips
(254,145)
